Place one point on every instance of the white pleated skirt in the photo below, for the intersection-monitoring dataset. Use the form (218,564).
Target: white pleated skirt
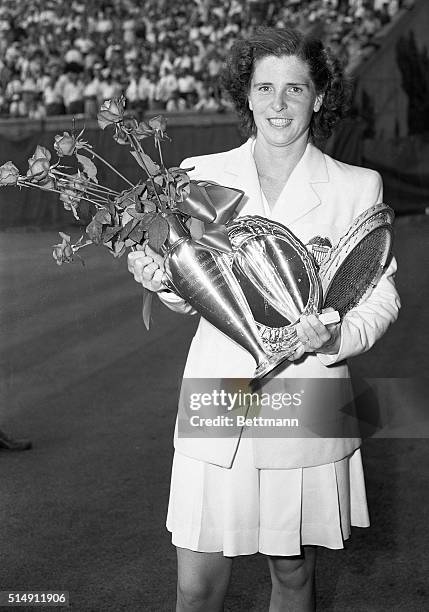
(243,510)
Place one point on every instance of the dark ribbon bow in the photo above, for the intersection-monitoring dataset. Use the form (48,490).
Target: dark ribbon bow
(210,206)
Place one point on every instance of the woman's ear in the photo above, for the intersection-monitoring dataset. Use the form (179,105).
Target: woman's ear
(318,102)
(250,104)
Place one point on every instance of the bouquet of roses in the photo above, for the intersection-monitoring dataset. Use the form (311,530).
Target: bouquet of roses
(141,213)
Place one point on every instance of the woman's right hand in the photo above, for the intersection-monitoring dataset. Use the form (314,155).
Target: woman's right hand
(148,268)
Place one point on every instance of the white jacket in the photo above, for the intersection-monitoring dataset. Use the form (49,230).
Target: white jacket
(322,197)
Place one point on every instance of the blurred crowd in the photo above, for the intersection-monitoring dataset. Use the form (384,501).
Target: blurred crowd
(67,56)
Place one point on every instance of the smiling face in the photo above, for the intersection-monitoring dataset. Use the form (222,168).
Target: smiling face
(282,98)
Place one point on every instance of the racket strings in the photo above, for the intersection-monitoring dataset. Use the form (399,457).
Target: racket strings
(358,272)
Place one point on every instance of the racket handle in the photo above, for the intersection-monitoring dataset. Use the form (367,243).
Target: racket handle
(328,318)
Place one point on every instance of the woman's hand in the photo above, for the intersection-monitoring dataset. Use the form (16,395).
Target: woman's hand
(148,268)
(316,337)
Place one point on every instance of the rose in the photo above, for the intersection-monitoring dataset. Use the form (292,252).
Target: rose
(41,153)
(9,174)
(159,125)
(39,164)
(181,183)
(111,111)
(38,170)
(143,130)
(63,253)
(65,144)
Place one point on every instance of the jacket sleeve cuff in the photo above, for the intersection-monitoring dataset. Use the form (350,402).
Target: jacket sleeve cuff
(328,360)
(175,302)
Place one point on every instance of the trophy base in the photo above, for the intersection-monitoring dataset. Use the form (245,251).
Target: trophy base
(269,364)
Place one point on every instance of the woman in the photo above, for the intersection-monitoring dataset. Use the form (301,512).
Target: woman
(281,497)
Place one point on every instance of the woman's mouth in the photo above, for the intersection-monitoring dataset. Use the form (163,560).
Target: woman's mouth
(279,122)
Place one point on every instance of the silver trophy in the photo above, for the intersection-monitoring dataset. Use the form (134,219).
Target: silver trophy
(257,293)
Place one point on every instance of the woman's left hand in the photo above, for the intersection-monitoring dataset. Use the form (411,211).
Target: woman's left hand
(316,337)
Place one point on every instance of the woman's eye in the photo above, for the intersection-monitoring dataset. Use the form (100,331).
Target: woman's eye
(295,90)
(264,88)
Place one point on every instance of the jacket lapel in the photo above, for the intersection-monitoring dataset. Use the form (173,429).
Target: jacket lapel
(301,193)
(240,168)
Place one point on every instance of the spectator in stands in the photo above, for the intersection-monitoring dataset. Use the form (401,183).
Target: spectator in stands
(52,98)
(28,92)
(175,103)
(147,89)
(167,85)
(14,96)
(72,91)
(207,101)
(93,91)
(110,86)
(3,105)
(186,85)
(132,89)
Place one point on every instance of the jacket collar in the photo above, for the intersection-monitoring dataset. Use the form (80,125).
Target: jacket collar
(300,194)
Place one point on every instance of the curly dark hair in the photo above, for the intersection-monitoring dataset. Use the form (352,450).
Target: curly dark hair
(325,71)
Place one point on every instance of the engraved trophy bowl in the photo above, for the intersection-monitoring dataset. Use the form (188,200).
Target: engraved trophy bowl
(278,278)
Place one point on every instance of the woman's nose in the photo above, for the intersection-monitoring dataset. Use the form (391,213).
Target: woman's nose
(279,103)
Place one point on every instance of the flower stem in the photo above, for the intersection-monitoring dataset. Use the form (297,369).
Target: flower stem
(108,165)
(102,195)
(23,183)
(94,186)
(138,149)
(158,146)
(165,171)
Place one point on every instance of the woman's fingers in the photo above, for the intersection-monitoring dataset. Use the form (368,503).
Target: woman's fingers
(137,263)
(317,337)
(155,256)
(312,333)
(138,259)
(298,353)
(148,268)
(157,280)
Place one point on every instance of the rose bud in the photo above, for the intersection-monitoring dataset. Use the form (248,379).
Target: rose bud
(65,144)
(63,252)
(111,111)
(41,153)
(38,169)
(159,124)
(57,254)
(9,174)
(39,164)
